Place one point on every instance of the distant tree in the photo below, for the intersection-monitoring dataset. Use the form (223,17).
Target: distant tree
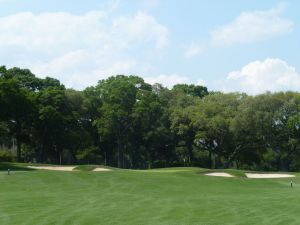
(191,90)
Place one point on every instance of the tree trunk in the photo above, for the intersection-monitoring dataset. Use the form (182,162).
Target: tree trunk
(18,139)
(190,148)
(18,150)
(237,164)
(219,163)
(190,152)
(60,157)
(41,152)
(119,152)
(210,159)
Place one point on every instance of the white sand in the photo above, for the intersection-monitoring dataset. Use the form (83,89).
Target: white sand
(101,169)
(58,168)
(268,175)
(219,174)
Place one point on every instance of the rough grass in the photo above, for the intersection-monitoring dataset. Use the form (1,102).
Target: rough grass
(176,196)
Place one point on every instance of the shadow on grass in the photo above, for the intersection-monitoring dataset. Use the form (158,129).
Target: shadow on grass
(4,166)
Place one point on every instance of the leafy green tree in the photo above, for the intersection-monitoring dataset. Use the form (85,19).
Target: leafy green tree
(118,96)
(191,90)
(17,103)
(248,140)
(146,116)
(212,121)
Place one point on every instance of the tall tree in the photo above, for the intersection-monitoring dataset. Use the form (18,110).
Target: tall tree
(17,102)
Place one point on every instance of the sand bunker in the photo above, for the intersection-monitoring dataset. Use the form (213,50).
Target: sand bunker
(268,175)
(101,169)
(219,174)
(57,168)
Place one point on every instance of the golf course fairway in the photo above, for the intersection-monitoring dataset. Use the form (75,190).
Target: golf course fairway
(179,196)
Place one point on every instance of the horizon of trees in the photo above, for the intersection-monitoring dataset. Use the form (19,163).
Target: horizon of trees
(125,122)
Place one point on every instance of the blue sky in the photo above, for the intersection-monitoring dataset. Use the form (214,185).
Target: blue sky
(250,46)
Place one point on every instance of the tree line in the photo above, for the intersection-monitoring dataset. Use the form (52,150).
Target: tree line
(125,122)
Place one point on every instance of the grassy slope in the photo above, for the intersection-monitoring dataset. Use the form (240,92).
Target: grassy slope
(169,197)
(92,167)
(85,167)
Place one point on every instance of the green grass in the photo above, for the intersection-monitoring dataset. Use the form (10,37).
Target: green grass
(177,196)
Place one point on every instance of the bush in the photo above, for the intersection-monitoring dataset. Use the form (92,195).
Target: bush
(7,156)
(159,164)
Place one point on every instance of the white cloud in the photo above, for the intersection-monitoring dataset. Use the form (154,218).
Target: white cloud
(257,77)
(253,26)
(82,68)
(201,82)
(193,50)
(140,28)
(79,49)
(168,80)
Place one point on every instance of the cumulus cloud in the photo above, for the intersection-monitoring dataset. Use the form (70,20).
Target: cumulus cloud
(272,74)
(168,80)
(194,49)
(78,49)
(253,26)
(82,68)
(201,82)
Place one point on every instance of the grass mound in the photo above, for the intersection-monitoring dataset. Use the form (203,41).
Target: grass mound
(236,173)
(233,172)
(92,167)
(85,167)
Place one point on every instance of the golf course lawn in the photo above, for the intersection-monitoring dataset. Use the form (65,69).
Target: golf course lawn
(179,196)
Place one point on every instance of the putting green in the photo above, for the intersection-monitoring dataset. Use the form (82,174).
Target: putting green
(165,196)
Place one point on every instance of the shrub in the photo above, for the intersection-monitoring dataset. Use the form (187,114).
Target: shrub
(7,156)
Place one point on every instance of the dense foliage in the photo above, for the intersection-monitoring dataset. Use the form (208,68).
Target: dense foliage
(125,122)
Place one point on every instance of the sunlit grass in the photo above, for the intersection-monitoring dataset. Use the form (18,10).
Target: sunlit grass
(172,196)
